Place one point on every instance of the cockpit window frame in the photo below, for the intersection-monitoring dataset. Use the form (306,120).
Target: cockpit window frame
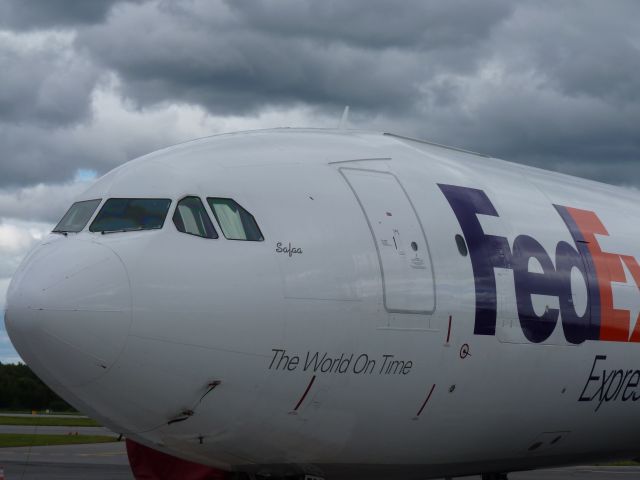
(215,236)
(160,227)
(89,219)
(224,233)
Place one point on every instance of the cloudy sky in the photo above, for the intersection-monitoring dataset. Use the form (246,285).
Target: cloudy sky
(88,85)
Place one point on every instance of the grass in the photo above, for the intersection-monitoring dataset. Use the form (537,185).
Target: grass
(40,412)
(620,463)
(44,421)
(34,440)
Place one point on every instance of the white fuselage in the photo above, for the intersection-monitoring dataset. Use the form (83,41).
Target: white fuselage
(357,338)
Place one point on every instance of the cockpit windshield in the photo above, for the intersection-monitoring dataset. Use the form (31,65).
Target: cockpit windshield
(128,214)
(236,223)
(77,216)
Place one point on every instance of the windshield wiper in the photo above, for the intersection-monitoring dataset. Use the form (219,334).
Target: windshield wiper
(60,232)
(137,229)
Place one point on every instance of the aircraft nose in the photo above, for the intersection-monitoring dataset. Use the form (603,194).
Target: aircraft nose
(69,311)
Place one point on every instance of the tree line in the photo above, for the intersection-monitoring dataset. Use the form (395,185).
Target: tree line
(20,389)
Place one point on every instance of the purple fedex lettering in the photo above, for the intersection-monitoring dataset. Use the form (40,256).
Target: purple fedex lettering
(535,328)
(577,328)
(489,251)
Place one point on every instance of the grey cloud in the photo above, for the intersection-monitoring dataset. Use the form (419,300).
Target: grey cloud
(34,154)
(591,49)
(587,137)
(375,24)
(556,89)
(31,14)
(372,55)
(44,83)
(40,203)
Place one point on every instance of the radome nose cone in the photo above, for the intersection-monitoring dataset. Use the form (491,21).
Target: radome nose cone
(69,311)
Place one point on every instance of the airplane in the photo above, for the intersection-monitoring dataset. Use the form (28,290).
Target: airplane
(340,304)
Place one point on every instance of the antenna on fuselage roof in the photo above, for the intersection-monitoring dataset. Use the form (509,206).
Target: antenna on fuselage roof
(345,118)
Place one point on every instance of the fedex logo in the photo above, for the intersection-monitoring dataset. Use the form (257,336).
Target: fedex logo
(600,321)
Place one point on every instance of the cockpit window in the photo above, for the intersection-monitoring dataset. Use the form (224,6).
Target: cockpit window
(192,218)
(236,223)
(127,214)
(77,216)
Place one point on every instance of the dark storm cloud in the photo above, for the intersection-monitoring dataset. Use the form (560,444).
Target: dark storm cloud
(582,136)
(241,56)
(44,84)
(558,91)
(40,203)
(32,14)
(580,52)
(34,154)
(375,24)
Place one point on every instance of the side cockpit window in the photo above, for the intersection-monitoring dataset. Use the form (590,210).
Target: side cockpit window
(236,223)
(192,218)
(128,214)
(77,216)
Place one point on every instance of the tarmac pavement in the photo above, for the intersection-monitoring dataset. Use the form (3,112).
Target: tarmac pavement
(108,461)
